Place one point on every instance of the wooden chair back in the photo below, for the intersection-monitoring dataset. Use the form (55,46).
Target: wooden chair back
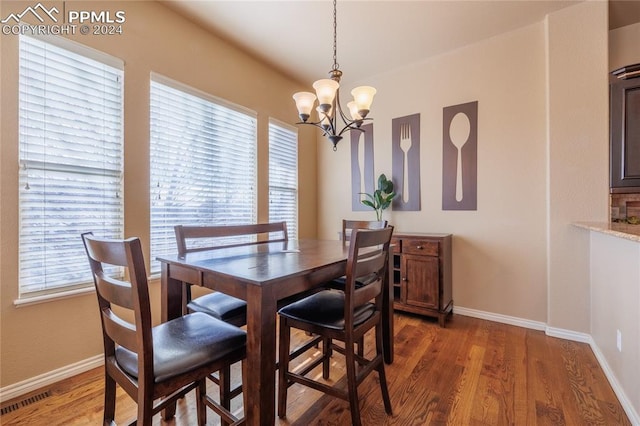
(367,265)
(211,237)
(132,295)
(152,366)
(349,225)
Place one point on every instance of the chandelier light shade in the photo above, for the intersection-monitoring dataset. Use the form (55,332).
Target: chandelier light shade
(304,102)
(331,119)
(353,110)
(363,97)
(326,91)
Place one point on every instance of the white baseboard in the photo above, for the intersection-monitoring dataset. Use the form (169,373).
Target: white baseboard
(568,335)
(504,319)
(17,389)
(634,418)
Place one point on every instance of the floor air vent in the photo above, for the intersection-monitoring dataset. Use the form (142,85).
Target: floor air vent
(24,402)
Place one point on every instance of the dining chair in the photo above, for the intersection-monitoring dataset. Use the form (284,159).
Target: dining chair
(347,228)
(154,363)
(227,308)
(191,239)
(342,315)
(349,225)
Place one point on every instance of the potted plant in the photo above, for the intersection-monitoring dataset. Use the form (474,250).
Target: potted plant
(381,197)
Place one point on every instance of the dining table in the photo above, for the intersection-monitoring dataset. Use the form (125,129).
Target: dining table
(263,275)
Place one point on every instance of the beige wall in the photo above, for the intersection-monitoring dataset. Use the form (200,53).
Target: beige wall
(615,284)
(39,338)
(542,163)
(578,146)
(615,271)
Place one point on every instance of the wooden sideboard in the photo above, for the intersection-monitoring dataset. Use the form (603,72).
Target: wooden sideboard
(422,274)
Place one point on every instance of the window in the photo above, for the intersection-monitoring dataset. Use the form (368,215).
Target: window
(283,176)
(203,163)
(70,142)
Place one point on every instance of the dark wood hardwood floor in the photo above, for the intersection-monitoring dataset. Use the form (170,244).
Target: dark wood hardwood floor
(473,372)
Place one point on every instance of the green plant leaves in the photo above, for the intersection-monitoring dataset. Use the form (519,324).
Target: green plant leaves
(381,198)
(385,185)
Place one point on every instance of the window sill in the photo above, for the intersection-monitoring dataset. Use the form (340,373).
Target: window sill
(44,298)
(34,300)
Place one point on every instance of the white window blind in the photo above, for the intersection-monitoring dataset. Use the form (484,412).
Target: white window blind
(70,136)
(283,176)
(203,163)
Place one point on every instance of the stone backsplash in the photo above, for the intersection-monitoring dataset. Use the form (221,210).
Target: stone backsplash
(624,207)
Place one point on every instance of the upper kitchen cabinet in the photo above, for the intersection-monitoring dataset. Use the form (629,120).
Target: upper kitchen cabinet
(624,153)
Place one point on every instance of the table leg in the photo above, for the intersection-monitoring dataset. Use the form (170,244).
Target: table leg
(387,317)
(261,357)
(170,295)
(171,307)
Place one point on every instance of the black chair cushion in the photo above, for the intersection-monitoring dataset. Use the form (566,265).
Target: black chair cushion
(222,306)
(326,309)
(338,283)
(185,343)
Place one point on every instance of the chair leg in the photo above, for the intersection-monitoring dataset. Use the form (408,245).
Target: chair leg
(201,407)
(224,384)
(245,375)
(352,384)
(186,297)
(283,357)
(382,376)
(145,410)
(327,353)
(109,399)
(326,357)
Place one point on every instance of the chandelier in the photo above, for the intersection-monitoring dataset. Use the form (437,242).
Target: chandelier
(331,119)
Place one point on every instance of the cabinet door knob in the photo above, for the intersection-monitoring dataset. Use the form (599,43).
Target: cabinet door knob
(404,278)
(419,247)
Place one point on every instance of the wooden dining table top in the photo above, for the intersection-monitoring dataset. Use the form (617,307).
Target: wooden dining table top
(259,264)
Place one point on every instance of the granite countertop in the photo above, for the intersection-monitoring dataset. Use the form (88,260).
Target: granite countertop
(621,230)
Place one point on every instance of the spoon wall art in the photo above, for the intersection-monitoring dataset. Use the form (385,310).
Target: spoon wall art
(460,157)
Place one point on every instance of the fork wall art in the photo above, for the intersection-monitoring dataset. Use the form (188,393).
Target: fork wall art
(405,162)
(460,157)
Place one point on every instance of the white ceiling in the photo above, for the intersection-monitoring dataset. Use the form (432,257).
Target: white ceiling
(373,36)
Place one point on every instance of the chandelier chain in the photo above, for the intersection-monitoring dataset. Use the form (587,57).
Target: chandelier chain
(335,36)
